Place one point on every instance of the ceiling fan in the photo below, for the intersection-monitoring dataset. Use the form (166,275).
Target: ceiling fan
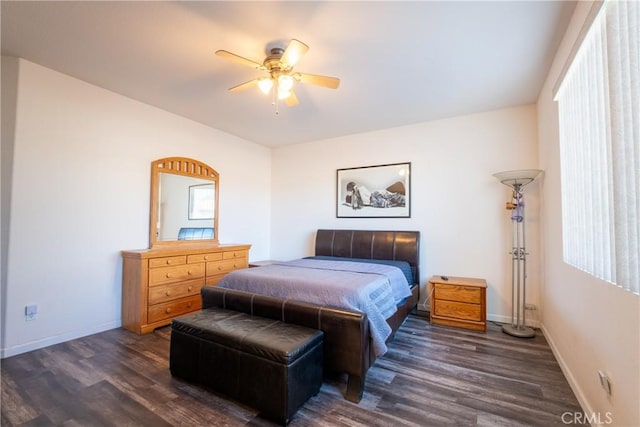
(279,64)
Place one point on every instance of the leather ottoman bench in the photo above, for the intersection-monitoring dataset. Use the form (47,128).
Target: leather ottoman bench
(267,364)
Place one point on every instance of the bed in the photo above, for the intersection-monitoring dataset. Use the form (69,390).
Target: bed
(355,345)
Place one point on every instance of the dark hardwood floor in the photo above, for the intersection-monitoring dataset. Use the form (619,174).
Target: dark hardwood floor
(431,376)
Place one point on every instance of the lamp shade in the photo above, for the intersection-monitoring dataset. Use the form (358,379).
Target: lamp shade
(517,178)
(265,85)
(285,82)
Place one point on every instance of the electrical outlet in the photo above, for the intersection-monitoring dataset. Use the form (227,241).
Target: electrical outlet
(531,307)
(31,312)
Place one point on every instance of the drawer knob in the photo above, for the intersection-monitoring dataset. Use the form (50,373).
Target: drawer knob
(168,261)
(168,310)
(206,257)
(235,254)
(168,275)
(168,293)
(189,305)
(219,267)
(190,288)
(189,272)
(235,266)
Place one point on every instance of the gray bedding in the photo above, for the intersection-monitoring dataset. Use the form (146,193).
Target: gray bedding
(374,289)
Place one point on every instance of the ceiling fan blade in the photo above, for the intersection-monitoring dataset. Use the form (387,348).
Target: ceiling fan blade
(293,53)
(244,86)
(291,100)
(314,79)
(240,59)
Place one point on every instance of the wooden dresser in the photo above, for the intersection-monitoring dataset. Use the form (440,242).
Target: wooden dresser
(459,301)
(159,284)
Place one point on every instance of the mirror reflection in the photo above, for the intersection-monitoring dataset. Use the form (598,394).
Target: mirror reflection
(186,207)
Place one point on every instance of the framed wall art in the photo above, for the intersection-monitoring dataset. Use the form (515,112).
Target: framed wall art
(381,191)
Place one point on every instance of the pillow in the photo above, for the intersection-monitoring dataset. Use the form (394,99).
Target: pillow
(404,266)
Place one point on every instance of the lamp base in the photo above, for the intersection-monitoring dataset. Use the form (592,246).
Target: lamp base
(519,331)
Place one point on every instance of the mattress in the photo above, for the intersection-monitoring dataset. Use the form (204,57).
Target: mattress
(371,288)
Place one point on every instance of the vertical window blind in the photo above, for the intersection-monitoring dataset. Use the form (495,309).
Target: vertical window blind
(599,116)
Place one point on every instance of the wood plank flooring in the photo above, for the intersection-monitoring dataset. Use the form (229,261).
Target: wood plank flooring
(431,376)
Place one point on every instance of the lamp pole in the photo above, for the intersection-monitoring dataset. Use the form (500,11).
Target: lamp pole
(517,180)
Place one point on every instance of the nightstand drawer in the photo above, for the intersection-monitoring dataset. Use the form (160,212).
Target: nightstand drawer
(458,310)
(458,293)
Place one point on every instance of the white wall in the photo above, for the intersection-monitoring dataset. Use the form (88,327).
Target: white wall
(591,325)
(8,88)
(80,194)
(456,203)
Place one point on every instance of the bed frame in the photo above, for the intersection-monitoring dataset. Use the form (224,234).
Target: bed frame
(347,341)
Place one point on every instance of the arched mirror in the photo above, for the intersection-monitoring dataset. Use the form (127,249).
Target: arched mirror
(184,202)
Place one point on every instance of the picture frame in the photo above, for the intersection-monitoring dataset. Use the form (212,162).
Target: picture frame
(380,191)
(201,201)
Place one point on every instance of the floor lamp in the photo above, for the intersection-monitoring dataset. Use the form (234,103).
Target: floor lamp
(516,180)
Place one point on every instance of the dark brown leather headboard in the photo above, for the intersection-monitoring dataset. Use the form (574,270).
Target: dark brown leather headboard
(370,244)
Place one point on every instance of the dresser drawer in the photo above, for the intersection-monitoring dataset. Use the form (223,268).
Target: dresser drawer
(458,293)
(167,310)
(213,280)
(167,261)
(458,310)
(225,266)
(160,276)
(165,293)
(235,254)
(215,256)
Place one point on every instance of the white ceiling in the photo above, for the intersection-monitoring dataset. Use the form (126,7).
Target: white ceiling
(399,62)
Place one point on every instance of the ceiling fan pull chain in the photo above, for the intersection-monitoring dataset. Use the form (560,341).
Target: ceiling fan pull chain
(275,95)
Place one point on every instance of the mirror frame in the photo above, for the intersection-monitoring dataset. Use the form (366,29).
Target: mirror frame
(185,167)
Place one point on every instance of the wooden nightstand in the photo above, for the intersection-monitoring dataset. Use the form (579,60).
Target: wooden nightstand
(262,263)
(459,302)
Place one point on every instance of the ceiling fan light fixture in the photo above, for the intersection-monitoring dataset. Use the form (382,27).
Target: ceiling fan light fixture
(265,85)
(285,82)
(279,64)
(283,93)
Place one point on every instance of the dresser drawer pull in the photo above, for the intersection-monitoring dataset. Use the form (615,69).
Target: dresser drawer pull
(168,293)
(190,288)
(219,267)
(189,305)
(168,275)
(168,310)
(235,266)
(168,261)
(206,257)
(190,272)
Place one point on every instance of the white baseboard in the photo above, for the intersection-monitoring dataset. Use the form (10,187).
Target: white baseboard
(57,339)
(582,400)
(499,318)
